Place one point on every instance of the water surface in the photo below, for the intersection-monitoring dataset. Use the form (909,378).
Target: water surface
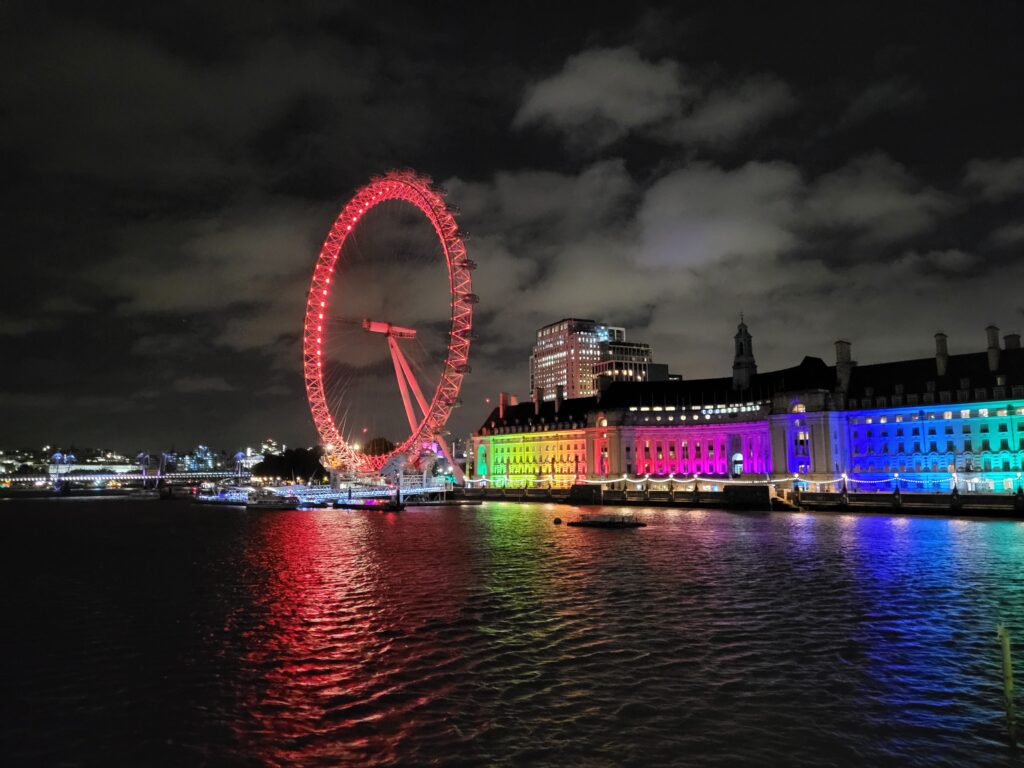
(155,633)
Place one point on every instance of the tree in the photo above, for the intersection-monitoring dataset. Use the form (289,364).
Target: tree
(379,445)
(293,463)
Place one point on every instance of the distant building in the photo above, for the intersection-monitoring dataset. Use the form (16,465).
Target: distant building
(271,447)
(627,361)
(251,458)
(573,356)
(200,460)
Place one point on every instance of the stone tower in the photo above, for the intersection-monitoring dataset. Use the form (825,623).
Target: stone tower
(743,365)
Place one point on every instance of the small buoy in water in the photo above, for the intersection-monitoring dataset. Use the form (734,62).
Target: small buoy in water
(558,521)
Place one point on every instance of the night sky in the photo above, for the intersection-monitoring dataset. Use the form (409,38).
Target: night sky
(170,170)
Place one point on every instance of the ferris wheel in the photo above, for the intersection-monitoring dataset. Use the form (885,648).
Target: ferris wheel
(373,289)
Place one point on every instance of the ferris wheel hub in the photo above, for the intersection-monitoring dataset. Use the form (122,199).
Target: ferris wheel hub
(389,329)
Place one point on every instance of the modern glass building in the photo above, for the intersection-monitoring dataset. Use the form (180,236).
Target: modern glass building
(577,357)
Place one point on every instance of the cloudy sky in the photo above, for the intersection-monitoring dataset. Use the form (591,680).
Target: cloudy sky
(171,169)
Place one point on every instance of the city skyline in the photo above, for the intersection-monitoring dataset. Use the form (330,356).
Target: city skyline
(857,175)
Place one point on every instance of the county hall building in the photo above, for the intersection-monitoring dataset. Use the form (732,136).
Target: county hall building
(923,424)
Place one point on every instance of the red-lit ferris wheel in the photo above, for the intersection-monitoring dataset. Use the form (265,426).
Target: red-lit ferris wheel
(427,407)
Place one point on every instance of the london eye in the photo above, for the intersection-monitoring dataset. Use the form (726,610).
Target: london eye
(388,326)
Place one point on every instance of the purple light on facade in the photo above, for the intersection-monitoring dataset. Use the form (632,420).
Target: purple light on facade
(711,449)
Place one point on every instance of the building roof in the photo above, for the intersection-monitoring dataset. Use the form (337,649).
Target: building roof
(568,320)
(524,414)
(812,373)
(916,375)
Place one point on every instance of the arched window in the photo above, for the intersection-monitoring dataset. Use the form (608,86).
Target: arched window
(737,464)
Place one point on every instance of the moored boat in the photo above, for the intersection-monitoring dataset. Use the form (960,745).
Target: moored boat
(272,501)
(386,506)
(604,520)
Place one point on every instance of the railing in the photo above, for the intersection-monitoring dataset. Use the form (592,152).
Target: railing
(120,476)
(322,493)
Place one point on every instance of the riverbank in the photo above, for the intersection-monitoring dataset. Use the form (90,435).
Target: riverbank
(763,498)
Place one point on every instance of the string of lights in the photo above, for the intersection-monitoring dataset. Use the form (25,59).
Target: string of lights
(696,478)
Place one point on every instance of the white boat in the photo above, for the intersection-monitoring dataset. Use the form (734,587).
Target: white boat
(263,499)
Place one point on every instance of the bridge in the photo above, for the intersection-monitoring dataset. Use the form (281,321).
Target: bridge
(177,477)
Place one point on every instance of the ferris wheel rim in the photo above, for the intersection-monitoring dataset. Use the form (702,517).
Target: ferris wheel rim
(419,191)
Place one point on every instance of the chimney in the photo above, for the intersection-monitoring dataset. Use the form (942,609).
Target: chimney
(559,396)
(513,400)
(538,396)
(844,364)
(993,347)
(1011,341)
(941,354)
(502,404)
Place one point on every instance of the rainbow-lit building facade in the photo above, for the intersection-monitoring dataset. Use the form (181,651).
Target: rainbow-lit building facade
(923,424)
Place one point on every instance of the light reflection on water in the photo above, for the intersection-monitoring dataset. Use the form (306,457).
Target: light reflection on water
(164,634)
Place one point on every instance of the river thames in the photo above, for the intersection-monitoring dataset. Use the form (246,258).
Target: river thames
(158,633)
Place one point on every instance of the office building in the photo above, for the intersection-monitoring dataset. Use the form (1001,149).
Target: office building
(577,357)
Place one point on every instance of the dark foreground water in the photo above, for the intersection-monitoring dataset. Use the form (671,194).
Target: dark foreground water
(156,633)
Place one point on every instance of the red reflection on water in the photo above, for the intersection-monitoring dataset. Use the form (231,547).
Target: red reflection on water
(339,610)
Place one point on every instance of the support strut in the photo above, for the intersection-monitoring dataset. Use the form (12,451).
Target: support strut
(406,382)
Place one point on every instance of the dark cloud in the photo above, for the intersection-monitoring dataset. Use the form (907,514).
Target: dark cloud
(732,111)
(202,384)
(877,200)
(884,98)
(1008,235)
(603,95)
(996,180)
(170,176)
(702,214)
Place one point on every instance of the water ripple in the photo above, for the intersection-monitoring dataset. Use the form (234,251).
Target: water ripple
(159,634)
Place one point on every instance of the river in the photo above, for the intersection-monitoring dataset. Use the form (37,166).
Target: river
(157,633)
